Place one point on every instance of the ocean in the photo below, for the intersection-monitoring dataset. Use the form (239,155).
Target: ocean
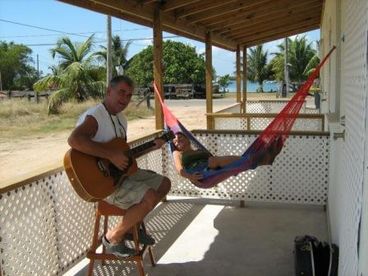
(252,86)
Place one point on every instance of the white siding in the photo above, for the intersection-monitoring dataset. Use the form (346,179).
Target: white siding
(348,158)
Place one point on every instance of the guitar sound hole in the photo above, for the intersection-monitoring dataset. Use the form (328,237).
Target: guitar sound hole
(115,173)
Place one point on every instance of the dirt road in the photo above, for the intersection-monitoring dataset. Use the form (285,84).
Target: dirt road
(22,158)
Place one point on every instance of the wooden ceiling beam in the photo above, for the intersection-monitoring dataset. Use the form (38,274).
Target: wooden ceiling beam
(175,4)
(273,24)
(147,2)
(132,11)
(267,37)
(202,6)
(281,7)
(238,6)
(272,18)
(276,28)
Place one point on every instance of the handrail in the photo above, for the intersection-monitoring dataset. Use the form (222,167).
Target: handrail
(262,115)
(256,132)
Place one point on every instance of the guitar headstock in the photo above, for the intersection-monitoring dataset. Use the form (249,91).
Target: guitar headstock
(167,136)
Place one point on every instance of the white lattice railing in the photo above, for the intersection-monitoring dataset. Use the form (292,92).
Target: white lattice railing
(298,175)
(257,121)
(45,228)
(265,106)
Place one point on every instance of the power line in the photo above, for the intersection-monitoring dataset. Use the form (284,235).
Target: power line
(102,41)
(96,32)
(41,28)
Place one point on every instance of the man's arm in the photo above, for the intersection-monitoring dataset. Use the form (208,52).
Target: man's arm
(81,139)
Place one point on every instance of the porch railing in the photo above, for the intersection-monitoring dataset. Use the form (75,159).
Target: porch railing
(259,121)
(45,228)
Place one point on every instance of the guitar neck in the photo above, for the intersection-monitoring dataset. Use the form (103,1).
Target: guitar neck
(139,149)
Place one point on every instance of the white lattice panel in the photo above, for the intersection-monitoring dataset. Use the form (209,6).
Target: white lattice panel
(302,167)
(230,123)
(259,123)
(45,227)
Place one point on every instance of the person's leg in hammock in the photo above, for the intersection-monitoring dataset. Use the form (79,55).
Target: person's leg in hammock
(267,157)
(215,162)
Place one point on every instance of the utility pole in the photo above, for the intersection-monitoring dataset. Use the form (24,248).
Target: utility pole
(286,69)
(38,76)
(108,52)
(1,83)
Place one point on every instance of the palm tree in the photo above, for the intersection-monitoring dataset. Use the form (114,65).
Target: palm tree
(302,58)
(119,53)
(257,69)
(75,76)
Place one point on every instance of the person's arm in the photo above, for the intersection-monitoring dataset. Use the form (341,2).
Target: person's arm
(81,140)
(194,178)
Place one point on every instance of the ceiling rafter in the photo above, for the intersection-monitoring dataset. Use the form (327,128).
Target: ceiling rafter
(282,7)
(271,18)
(236,7)
(202,6)
(175,4)
(275,34)
(287,21)
(271,28)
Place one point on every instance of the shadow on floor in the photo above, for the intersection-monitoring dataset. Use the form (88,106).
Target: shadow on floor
(210,239)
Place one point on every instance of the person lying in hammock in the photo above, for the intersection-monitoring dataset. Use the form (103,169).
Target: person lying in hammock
(191,163)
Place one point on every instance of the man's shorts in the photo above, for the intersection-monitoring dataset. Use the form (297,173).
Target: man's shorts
(134,187)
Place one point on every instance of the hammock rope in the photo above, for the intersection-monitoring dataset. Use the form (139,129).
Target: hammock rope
(273,136)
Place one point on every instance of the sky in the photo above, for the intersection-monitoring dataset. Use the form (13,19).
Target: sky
(39,23)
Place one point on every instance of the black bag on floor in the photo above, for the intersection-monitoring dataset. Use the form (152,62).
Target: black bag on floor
(315,258)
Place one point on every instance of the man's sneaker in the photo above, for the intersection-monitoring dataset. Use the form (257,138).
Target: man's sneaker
(143,237)
(119,249)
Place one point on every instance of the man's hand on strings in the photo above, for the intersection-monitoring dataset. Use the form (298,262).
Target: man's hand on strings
(119,159)
(158,143)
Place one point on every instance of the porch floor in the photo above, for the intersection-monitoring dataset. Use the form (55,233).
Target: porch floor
(203,237)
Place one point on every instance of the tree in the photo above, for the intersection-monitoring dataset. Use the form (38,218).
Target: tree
(224,81)
(181,64)
(302,58)
(76,76)
(119,53)
(257,69)
(15,68)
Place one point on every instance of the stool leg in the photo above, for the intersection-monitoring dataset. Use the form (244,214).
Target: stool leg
(139,259)
(106,223)
(152,258)
(94,243)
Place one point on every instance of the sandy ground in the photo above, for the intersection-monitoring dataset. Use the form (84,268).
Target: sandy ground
(20,159)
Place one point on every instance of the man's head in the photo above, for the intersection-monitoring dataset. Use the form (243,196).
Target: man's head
(119,93)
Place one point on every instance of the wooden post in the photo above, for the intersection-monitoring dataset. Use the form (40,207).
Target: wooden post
(209,80)
(157,64)
(238,77)
(244,79)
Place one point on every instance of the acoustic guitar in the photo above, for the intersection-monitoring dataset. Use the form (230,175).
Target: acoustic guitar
(95,178)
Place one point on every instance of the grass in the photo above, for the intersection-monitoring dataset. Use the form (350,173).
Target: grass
(20,118)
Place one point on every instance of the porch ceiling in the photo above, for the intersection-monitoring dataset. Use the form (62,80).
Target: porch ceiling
(232,22)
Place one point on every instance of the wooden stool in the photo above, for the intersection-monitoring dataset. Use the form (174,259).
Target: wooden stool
(106,209)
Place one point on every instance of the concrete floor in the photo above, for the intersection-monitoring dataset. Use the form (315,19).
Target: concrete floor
(197,238)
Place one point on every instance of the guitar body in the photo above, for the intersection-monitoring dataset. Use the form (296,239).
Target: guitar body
(94,178)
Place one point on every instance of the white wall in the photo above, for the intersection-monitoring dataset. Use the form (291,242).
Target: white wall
(347,96)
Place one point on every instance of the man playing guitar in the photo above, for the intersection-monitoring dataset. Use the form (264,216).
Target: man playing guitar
(138,193)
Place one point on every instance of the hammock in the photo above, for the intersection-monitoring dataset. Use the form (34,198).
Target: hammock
(271,139)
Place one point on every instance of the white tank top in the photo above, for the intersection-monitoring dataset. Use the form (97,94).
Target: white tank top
(109,126)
